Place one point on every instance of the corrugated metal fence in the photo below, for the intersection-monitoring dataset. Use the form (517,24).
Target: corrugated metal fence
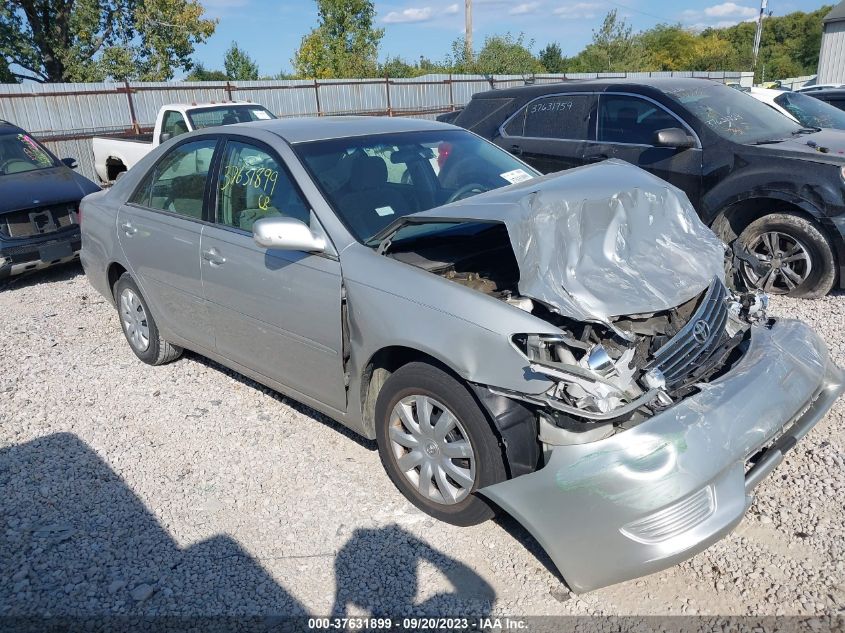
(66,116)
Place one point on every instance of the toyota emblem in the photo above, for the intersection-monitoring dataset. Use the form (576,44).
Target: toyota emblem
(701,331)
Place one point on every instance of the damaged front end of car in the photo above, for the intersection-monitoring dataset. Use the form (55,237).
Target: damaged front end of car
(615,377)
(666,396)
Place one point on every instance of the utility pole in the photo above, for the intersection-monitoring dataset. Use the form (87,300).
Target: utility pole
(759,35)
(468,31)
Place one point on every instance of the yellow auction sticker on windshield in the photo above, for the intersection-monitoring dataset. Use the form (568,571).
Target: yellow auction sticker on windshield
(517,175)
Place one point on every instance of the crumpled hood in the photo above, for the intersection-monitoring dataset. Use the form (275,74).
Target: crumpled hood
(600,241)
(42,187)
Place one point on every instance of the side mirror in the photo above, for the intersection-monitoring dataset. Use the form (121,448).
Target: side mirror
(164,137)
(286,234)
(70,162)
(673,137)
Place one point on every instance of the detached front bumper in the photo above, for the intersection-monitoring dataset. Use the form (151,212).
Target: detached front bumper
(647,498)
(34,253)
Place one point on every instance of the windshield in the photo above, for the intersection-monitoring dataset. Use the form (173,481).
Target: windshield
(227,115)
(810,111)
(733,114)
(20,152)
(370,181)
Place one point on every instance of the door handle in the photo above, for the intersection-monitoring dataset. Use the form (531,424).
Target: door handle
(128,229)
(596,158)
(213,257)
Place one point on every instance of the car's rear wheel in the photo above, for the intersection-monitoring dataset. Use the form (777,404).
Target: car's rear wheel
(436,444)
(796,259)
(138,325)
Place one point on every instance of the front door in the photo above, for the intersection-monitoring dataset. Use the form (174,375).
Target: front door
(275,312)
(159,231)
(626,128)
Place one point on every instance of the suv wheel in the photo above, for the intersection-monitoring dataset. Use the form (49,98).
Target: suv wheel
(436,444)
(138,325)
(797,259)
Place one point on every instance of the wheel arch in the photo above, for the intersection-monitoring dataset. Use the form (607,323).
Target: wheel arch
(513,423)
(113,273)
(733,218)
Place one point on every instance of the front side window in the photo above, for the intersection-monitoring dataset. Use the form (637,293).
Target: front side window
(627,119)
(173,123)
(732,114)
(371,181)
(228,115)
(20,152)
(811,112)
(177,182)
(253,185)
(565,117)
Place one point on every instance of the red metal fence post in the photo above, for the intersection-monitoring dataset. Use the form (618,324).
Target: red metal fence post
(229,90)
(451,93)
(135,125)
(387,92)
(317,97)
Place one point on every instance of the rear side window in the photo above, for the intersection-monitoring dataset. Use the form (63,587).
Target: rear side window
(565,117)
(177,182)
(626,119)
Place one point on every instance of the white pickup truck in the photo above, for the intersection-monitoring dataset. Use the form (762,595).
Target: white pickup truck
(113,155)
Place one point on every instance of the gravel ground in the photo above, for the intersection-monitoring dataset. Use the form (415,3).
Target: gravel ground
(187,489)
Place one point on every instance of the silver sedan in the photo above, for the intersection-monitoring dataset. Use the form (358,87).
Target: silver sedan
(561,347)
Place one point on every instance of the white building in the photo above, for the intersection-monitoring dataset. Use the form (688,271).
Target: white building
(832,54)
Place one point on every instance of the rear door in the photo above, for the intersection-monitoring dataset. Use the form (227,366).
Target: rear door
(159,231)
(276,312)
(626,127)
(551,133)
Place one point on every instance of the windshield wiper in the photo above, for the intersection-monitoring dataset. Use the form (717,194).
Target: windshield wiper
(806,130)
(769,141)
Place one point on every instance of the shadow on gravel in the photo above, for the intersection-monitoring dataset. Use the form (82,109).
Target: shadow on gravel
(76,542)
(293,404)
(55,274)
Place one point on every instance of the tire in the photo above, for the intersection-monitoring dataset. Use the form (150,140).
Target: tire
(450,497)
(137,320)
(808,273)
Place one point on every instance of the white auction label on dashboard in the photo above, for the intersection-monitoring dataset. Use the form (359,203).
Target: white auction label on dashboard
(517,175)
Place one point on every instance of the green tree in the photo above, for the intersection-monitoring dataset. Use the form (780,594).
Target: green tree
(552,59)
(507,55)
(344,43)
(396,67)
(614,48)
(91,40)
(239,65)
(201,73)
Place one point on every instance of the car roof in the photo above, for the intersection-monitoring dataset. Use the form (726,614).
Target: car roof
(305,129)
(833,92)
(598,85)
(8,126)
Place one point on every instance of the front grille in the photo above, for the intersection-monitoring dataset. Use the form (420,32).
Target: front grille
(701,337)
(30,253)
(673,520)
(38,221)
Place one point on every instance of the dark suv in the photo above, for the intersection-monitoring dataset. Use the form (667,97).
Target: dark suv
(750,172)
(39,204)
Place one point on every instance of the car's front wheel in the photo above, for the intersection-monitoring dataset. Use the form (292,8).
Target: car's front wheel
(436,444)
(138,325)
(796,259)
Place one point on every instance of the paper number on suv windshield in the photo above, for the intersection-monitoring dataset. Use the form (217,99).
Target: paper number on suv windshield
(258,177)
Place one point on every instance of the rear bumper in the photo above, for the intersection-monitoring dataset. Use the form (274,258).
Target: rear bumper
(650,497)
(34,253)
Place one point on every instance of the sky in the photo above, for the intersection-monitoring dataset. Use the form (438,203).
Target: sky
(270,30)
